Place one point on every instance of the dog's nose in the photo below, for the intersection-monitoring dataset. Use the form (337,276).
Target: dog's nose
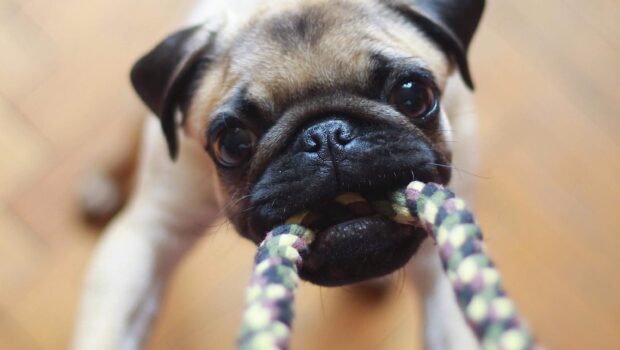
(327,136)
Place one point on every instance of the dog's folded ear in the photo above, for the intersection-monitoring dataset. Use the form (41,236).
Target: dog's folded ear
(450,23)
(163,76)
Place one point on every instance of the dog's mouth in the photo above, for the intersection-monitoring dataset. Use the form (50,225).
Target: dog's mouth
(354,242)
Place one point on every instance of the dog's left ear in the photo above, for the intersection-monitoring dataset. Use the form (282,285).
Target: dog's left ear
(162,76)
(450,23)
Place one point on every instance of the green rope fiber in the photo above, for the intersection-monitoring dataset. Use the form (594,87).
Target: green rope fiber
(477,285)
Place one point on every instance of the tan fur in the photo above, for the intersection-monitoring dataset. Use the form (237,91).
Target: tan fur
(343,35)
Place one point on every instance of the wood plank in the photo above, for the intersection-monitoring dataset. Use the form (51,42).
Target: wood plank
(548,151)
(47,308)
(13,336)
(580,62)
(96,57)
(49,206)
(28,55)
(23,151)
(22,255)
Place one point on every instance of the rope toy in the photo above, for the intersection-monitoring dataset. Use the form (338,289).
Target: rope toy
(489,312)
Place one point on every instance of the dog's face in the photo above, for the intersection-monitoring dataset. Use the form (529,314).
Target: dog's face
(312,99)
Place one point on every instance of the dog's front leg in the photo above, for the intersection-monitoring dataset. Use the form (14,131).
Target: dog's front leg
(171,206)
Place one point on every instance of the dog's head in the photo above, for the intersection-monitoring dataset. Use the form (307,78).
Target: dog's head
(311,99)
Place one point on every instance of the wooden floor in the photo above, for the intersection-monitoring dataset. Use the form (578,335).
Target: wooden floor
(548,78)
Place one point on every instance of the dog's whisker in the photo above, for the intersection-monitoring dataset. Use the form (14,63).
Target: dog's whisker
(323,313)
(461,170)
(231,203)
(403,280)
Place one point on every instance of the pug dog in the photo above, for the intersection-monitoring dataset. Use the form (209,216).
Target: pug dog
(277,109)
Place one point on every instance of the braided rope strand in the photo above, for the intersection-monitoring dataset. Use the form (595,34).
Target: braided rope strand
(477,284)
(269,308)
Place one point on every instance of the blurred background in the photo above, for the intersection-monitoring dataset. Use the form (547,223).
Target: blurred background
(547,187)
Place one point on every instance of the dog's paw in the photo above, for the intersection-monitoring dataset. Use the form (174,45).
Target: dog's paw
(99,197)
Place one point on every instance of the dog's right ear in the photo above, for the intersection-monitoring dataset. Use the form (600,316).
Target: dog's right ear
(163,76)
(451,23)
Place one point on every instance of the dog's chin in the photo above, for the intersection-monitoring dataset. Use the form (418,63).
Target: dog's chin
(359,249)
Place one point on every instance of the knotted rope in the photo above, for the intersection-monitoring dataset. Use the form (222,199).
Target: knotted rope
(489,312)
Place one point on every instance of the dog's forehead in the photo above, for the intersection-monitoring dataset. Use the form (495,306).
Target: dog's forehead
(286,53)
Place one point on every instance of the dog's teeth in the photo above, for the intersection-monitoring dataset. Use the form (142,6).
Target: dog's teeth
(297,219)
(348,198)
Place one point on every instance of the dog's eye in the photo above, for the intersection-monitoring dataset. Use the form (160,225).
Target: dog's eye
(233,146)
(414,99)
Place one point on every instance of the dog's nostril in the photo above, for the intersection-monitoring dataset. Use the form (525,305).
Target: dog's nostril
(312,143)
(343,136)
